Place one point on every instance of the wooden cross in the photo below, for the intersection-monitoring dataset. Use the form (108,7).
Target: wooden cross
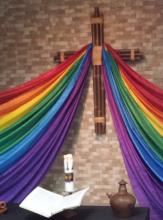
(128,55)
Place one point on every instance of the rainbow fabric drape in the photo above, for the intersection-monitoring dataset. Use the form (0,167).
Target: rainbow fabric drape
(137,110)
(35,118)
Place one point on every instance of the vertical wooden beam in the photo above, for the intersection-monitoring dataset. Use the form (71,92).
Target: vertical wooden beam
(97,26)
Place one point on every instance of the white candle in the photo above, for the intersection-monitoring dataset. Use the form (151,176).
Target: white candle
(68,170)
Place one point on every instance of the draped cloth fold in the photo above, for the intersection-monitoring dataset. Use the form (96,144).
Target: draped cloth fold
(142,156)
(41,130)
(35,118)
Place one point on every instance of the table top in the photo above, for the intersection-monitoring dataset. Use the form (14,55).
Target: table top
(82,213)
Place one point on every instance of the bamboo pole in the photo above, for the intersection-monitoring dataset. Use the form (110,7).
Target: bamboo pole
(98,87)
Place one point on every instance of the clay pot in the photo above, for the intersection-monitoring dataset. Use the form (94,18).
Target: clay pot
(3,207)
(122,203)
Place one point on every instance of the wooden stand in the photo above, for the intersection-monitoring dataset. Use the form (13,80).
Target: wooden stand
(69,213)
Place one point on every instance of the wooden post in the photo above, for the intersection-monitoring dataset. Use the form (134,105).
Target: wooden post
(97,26)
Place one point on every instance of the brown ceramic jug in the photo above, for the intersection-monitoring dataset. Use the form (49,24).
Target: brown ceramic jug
(3,207)
(122,203)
